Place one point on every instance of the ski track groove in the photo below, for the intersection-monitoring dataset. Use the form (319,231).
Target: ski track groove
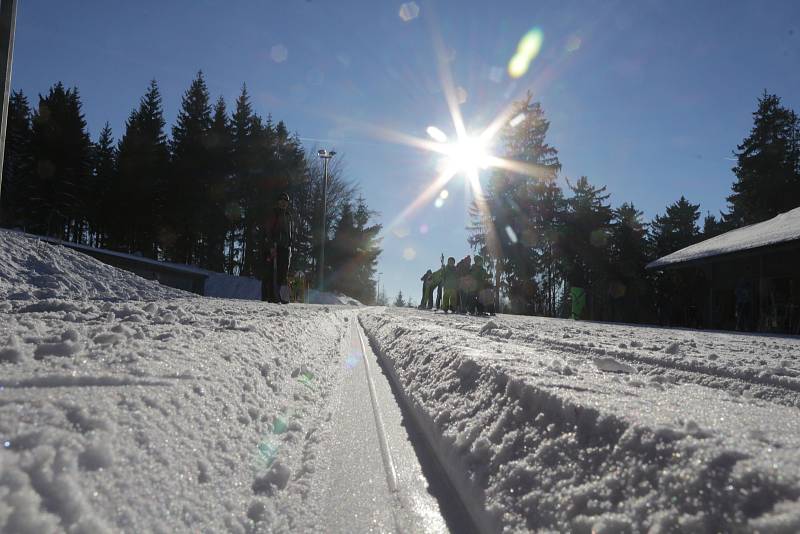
(779,390)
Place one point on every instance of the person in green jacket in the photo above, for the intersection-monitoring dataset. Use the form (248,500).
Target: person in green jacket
(450,283)
(479,300)
(427,291)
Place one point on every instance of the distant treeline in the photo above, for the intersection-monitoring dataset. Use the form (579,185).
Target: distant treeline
(543,242)
(201,196)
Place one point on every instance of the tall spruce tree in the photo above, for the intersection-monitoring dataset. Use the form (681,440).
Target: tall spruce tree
(673,231)
(139,191)
(17,164)
(101,210)
(368,252)
(353,253)
(629,283)
(216,225)
(767,165)
(190,175)
(584,242)
(514,225)
(61,159)
(238,210)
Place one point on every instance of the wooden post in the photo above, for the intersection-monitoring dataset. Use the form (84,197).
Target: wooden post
(8,17)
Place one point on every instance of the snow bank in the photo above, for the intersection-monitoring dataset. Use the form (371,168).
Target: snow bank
(31,269)
(781,228)
(557,425)
(317,297)
(126,408)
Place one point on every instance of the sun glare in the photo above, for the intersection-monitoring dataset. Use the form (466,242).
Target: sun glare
(468,155)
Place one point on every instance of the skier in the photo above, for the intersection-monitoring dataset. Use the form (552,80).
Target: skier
(483,301)
(280,232)
(427,291)
(437,280)
(450,284)
(464,283)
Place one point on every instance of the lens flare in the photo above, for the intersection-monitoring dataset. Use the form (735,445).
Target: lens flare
(444,194)
(436,134)
(438,202)
(279,53)
(573,44)
(409,11)
(528,48)
(409,254)
(512,235)
(516,120)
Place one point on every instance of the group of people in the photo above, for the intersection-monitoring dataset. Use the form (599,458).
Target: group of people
(464,287)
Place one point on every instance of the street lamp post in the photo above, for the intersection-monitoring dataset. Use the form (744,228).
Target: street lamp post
(8,17)
(325,155)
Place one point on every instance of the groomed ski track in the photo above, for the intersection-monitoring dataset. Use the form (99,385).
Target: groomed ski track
(377,478)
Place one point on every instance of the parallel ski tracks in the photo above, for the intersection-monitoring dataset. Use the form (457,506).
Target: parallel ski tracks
(779,390)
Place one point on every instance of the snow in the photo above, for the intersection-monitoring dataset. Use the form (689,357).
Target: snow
(317,297)
(557,425)
(129,406)
(780,229)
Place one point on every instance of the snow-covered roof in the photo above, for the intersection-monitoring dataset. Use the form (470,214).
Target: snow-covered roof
(780,229)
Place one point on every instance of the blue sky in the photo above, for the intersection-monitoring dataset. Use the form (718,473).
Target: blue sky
(646,97)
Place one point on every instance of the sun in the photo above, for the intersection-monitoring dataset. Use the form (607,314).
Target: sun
(468,155)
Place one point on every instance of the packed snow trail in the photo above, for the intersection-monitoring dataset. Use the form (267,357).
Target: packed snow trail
(373,481)
(128,406)
(547,435)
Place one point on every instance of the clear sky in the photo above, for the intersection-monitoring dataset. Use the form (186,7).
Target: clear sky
(646,97)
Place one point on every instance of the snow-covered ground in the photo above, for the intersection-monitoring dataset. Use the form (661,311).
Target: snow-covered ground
(559,425)
(125,405)
(128,406)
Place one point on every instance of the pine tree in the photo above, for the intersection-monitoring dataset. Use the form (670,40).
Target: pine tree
(239,211)
(139,194)
(190,175)
(398,301)
(220,192)
(629,283)
(17,164)
(353,253)
(514,226)
(584,242)
(61,158)
(368,251)
(768,165)
(677,229)
(101,211)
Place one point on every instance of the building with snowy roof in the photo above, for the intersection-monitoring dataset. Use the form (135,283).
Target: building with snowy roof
(751,273)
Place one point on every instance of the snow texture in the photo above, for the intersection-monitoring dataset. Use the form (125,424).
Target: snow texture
(130,406)
(780,229)
(547,424)
(317,297)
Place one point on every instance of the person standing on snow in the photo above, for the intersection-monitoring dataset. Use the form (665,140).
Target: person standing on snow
(427,291)
(280,233)
(450,283)
(464,283)
(482,297)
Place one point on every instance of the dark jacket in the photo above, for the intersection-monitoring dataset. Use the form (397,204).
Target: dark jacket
(280,229)
(480,277)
